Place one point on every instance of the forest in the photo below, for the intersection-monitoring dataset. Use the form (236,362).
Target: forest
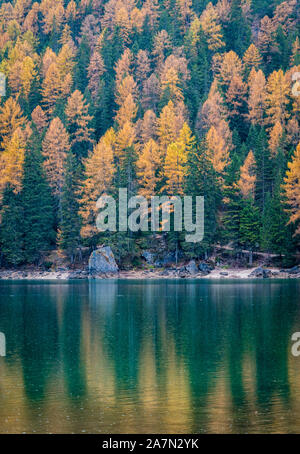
(172,97)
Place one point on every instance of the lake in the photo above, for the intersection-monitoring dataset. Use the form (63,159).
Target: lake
(150,357)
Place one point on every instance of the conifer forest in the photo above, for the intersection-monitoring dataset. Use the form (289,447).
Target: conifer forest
(166,97)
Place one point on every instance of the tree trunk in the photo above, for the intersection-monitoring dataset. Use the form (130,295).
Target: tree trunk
(251,258)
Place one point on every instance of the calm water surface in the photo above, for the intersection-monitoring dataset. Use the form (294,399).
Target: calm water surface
(149,357)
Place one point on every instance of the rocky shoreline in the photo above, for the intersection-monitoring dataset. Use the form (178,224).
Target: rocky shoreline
(102,265)
(176,273)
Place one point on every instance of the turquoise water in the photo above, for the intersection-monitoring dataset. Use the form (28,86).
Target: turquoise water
(149,357)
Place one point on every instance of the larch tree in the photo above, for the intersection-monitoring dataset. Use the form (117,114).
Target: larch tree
(143,67)
(231,66)
(276,134)
(11,162)
(217,150)
(55,148)
(277,97)
(295,58)
(186,13)
(209,21)
(148,168)
(28,75)
(257,97)
(11,118)
(78,123)
(166,127)
(247,179)
(123,67)
(99,171)
(252,58)
(95,71)
(292,189)
(266,37)
(39,118)
(176,160)
(171,83)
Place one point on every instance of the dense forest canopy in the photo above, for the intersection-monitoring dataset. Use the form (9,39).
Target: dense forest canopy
(160,97)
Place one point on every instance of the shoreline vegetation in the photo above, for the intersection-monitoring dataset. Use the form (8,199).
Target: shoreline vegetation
(101,263)
(150,274)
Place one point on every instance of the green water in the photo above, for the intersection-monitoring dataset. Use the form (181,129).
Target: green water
(149,357)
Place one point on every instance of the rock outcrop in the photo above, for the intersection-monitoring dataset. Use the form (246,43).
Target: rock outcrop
(102,261)
(261,273)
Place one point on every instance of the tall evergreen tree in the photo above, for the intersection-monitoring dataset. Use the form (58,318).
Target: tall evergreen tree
(39,221)
(69,229)
(11,233)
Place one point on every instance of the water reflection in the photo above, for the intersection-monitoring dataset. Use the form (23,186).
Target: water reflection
(165,356)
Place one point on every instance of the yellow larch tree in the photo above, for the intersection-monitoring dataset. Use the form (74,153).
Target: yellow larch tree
(266,36)
(55,87)
(257,97)
(123,66)
(175,162)
(276,134)
(55,148)
(151,8)
(236,95)
(148,168)
(247,179)
(11,162)
(147,127)
(65,61)
(252,58)
(99,170)
(231,66)
(48,58)
(95,71)
(39,118)
(127,111)
(125,142)
(78,118)
(295,58)
(185,13)
(166,127)
(28,75)
(51,87)
(277,97)
(171,81)
(292,188)
(126,99)
(11,118)
(161,45)
(217,150)
(213,109)
(209,21)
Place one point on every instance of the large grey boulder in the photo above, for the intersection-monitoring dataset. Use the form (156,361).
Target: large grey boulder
(102,260)
(192,268)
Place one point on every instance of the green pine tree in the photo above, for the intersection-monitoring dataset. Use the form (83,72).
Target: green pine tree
(11,233)
(250,223)
(38,223)
(69,229)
